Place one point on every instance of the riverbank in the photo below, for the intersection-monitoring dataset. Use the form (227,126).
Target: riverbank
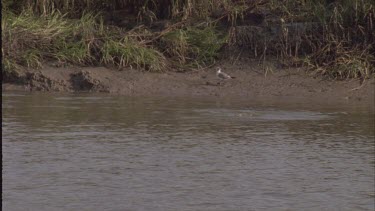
(334,39)
(250,82)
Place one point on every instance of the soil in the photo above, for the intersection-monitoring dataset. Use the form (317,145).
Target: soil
(250,82)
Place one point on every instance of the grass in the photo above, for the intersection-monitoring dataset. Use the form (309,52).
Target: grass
(31,40)
(333,39)
(27,39)
(128,52)
(193,46)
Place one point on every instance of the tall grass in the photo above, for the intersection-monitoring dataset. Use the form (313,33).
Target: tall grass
(128,52)
(27,38)
(67,31)
(193,46)
(333,38)
(31,40)
(346,46)
(161,8)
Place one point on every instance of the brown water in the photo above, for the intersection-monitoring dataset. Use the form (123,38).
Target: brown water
(101,152)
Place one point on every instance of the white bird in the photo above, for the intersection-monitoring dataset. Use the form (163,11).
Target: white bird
(222,75)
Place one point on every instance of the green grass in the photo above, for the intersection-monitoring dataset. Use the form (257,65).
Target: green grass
(128,52)
(30,40)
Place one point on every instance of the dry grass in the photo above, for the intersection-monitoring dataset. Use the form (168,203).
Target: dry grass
(334,39)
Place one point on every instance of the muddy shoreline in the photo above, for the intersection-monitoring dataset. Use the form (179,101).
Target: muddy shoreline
(250,82)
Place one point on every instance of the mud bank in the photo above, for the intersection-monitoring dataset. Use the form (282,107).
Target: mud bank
(250,82)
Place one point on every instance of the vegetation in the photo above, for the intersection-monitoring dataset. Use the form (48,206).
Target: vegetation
(332,37)
(30,40)
(341,44)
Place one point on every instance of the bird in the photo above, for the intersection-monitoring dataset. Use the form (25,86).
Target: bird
(222,75)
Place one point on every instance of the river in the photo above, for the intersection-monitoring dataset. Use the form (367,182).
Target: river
(103,152)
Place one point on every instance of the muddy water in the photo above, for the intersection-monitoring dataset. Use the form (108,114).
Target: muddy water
(101,152)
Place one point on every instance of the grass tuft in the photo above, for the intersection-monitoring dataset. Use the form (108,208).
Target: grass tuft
(193,46)
(128,52)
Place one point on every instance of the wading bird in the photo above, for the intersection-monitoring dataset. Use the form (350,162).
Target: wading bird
(222,75)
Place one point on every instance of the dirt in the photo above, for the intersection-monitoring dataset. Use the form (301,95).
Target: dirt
(250,82)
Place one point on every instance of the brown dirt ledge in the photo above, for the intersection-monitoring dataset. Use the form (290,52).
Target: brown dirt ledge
(250,82)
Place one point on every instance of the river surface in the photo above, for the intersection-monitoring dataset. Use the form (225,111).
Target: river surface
(103,152)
